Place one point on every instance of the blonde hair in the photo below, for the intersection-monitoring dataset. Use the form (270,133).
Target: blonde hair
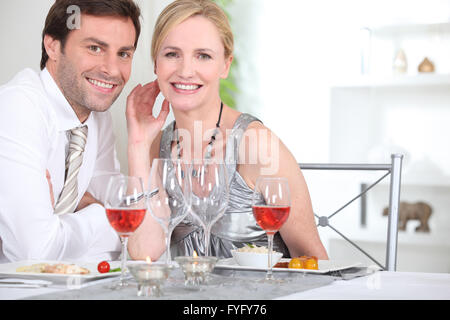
(180,10)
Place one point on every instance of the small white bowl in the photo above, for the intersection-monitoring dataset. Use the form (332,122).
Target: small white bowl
(255,260)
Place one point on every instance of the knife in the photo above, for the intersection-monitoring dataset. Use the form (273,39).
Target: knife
(24,284)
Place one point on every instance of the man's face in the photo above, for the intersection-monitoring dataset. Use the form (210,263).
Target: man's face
(95,63)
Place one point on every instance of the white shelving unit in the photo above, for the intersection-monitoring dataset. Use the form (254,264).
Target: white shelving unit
(376,114)
(411,27)
(394,81)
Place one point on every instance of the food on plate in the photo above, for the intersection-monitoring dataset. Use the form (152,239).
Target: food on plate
(35,268)
(253,248)
(282,264)
(303,262)
(255,256)
(311,264)
(62,268)
(296,263)
(59,268)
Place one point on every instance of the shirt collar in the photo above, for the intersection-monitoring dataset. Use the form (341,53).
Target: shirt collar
(67,118)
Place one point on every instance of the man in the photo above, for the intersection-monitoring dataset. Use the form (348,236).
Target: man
(56,137)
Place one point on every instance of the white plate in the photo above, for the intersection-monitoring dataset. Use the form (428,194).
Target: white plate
(9,270)
(325,266)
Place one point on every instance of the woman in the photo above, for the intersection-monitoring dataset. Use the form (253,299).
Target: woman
(192,50)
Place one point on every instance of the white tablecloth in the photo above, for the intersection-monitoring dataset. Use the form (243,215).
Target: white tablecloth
(380,285)
(383,286)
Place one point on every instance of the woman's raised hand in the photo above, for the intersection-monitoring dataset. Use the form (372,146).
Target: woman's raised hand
(142,125)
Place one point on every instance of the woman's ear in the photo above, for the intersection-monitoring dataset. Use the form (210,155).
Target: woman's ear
(227,66)
(52,47)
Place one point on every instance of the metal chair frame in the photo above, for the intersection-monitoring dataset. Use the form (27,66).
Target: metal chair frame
(394,169)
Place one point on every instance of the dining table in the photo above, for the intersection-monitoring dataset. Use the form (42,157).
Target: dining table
(356,283)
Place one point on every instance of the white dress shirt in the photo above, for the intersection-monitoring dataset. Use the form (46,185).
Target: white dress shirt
(34,120)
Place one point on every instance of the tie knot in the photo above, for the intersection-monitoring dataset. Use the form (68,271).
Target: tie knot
(78,138)
(80,131)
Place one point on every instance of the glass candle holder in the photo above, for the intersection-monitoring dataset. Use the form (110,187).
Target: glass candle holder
(150,277)
(196,269)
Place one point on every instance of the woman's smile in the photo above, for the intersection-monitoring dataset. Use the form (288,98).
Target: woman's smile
(186,88)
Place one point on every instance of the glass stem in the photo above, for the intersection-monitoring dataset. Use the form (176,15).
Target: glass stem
(207,240)
(124,258)
(269,275)
(168,254)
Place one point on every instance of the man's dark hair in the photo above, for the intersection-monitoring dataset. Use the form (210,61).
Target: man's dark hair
(56,24)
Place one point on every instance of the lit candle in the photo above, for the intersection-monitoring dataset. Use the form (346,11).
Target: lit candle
(195,268)
(149,276)
(149,271)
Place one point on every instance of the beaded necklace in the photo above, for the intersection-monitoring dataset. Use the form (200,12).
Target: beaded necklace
(211,142)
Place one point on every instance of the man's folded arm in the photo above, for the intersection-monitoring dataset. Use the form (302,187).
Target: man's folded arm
(28,227)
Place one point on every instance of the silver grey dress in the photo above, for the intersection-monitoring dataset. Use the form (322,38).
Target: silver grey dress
(237,226)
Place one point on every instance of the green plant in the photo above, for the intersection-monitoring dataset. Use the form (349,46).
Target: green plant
(228,87)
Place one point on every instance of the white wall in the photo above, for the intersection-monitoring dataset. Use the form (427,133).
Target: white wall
(289,52)
(22,22)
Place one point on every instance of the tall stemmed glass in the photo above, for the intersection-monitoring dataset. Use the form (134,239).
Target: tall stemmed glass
(271,205)
(168,203)
(209,194)
(125,209)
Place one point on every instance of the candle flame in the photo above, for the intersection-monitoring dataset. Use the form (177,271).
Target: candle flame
(149,261)
(195,255)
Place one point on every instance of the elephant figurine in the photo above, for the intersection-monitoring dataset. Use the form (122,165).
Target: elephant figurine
(413,211)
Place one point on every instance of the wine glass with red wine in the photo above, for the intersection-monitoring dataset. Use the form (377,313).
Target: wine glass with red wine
(125,206)
(271,205)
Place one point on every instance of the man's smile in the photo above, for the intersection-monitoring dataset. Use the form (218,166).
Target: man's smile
(101,85)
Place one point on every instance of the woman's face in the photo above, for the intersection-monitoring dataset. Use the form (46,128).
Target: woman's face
(191,63)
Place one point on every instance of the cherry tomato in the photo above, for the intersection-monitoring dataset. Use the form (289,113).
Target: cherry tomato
(103,267)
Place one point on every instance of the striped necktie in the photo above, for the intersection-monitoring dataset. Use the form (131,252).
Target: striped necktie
(67,201)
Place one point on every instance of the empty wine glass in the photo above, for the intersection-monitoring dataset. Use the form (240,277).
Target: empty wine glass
(167,201)
(125,209)
(274,210)
(209,194)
